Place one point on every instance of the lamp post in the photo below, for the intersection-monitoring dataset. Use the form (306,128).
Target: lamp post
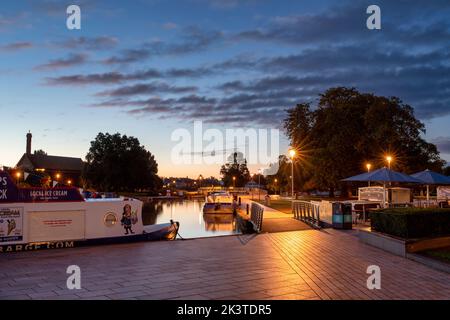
(252,189)
(234,182)
(259,184)
(389,159)
(292,155)
(276,180)
(368,169)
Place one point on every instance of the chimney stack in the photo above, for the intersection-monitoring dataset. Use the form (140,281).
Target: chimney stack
(29,142)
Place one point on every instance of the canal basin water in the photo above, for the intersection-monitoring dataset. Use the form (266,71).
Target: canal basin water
(193,223)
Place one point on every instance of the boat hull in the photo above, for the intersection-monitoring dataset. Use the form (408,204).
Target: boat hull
(166,231)
(218,208)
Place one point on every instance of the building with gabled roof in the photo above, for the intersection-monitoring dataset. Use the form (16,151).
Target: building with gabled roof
(62,169)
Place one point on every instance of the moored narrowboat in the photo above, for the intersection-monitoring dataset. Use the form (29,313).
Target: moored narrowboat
(60,217)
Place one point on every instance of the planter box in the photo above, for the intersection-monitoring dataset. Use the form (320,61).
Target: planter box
(428,244)
(384,242)
(401,247)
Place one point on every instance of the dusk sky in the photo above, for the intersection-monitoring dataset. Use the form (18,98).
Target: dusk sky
(147,67)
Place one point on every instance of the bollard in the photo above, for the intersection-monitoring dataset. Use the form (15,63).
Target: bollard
(248,208)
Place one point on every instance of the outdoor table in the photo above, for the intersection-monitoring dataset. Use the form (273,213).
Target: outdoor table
(366,206)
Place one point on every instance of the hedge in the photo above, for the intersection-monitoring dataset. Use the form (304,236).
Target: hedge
(412,223)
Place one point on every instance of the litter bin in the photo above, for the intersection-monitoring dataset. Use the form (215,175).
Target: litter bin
(267,200)
(342,216)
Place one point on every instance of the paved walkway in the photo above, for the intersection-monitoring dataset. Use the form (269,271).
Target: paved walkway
(310,264)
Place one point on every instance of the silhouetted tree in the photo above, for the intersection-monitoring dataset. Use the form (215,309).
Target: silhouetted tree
(348,129)
(120,163)
(447,170)
(40,152)
(237,169)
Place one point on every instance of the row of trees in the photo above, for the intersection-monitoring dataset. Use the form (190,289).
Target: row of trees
(334,139)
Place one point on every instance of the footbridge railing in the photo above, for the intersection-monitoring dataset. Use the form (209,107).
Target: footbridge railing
(306,211)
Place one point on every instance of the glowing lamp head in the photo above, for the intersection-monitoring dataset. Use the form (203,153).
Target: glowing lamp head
(18,175)
(292,153)
(58,176)
(368,166)
(389,159)
(69,182)
(276,180)
(234,178)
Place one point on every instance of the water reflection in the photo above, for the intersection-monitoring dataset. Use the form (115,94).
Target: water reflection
(219,222)
(193,223)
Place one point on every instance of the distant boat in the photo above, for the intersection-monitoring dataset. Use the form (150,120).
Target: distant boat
(48,218)
(219,203)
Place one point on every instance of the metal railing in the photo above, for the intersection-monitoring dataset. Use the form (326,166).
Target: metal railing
(256,216)
(307,212)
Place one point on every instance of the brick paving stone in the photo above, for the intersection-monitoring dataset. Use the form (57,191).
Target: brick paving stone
(125,295)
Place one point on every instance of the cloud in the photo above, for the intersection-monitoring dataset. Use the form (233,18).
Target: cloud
(235,109)
(170,26)
(147,88)
(15,20)
(408,58)
(87,43)
(102,78)
(227,4)
(117,77)
(128,56)
(443,144)
(16,46)
(193,39)
(346,24)
(56,8)
(70,61)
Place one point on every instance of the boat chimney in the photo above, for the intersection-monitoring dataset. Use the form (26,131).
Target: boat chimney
(29,136)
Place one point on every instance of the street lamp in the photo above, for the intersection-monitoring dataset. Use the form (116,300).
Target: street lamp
(252,189)
(234,182)
(18,175)
(389,159)
(292,155)
(368,169)
(69,182)
(259,184)
(276,180)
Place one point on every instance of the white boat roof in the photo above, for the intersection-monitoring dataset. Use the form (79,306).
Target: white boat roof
(108,199)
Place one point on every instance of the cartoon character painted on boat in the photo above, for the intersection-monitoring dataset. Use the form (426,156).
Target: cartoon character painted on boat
(128,219)
(11,225)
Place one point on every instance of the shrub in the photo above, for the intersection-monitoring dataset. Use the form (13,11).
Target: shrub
(410,223)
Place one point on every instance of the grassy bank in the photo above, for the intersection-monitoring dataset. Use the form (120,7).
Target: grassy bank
(280,205)
(442,254)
